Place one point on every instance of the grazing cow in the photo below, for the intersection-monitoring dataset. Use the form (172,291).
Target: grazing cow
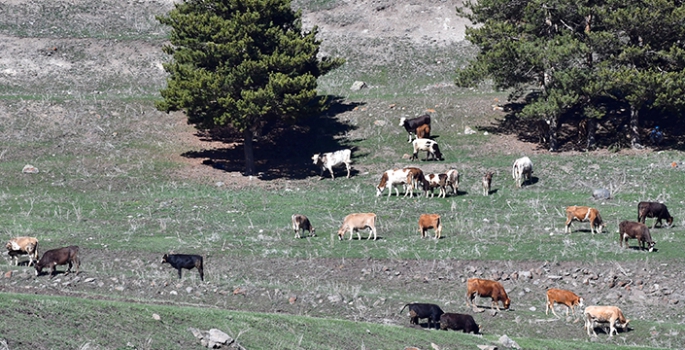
(23,246)
(653,210)
(430,221)
(487,182)
(421,310)
(428,145)
(582,214)
(637,230)
(396,177)
(59,256)
(486,289)
(301,222)
(604,314)
(562,296)
(423,131)
(330,159)
(185,261)
(459,322)
(358,221)
(417,177)
(432,181)
(522,170)
(453,177)
(412,124)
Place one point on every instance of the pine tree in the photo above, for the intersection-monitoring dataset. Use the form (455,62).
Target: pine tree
(241,63)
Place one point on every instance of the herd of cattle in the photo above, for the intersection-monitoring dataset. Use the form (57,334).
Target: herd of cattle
(411,178)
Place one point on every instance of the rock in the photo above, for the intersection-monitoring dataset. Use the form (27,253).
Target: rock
(29,169)
(554,277)
(532,308)
(379,123)
(435,346)
(601,193)
(335,298)
(196,332)
(493,312)
(292,300)
(156,317)
(358,85)
(406,156)
(508,342)
(469,131)
(487,347)
(89,279)
(219,337)
(526,274)
(8,274)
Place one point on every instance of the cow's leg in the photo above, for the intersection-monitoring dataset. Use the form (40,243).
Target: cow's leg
(347,165)
(202,272)
(568,225)
(330,170)
(179,273)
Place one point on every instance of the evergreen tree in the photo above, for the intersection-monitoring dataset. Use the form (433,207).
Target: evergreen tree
(241,63)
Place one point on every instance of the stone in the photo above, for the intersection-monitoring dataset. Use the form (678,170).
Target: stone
(601,193)
(469,131)
(196,332)
(508,342)
(219,337)
(358,85)
(487,347)
(29,169)
(156,317)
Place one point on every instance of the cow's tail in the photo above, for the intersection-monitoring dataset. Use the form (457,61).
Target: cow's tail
(404,307)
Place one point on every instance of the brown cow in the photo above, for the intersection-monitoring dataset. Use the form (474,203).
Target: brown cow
(562,296)
(639,231)
(23,246)
(604,314)
(487,182)
(59,256)
(486,289)
(653,210)
(423,131)
(301,223)
(581,214)
(430,221)
(358,221)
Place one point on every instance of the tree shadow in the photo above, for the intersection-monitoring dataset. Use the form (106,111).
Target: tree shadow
(283,150)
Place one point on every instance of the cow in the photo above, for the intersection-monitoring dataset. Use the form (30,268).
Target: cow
(653,210)
(582,214)
(604,314)
(301,222)
(430,221)
(521,171)
(431,147)
(396,177)
(423,131)
(562,296)
(637,230)
(459,322)
(432,181)
(358,221)
(422,310)
(185,261)
(487,182)
(486,289)
(23,246)
(330,159)
(417,178)
(453,177)
(59,256)
(411,124)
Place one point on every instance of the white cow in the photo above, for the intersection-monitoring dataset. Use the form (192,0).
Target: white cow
(453,180)
(358,221)
(428,145)
(396,177)
(522,171)
(330,159)
(23,246)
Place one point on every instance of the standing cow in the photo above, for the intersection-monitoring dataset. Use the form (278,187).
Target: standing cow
(655,210)
(522,171)
(331,159)
(185,261)
(637,230)
(412,124)
(358,221)
(422,310)
(23,246)
(60,256)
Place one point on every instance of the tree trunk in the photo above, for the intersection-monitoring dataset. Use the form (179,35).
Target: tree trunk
(249,155)
(591,130)
(634,123)
(553,122)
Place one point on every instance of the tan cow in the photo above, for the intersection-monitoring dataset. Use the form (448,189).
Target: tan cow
(562,296)
(487,183)
(358,221)
(582,214)
(23,246)
(430,221)
(604,314)
(301,223)
(486,289)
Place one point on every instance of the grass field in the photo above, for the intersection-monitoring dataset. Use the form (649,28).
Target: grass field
(127,184)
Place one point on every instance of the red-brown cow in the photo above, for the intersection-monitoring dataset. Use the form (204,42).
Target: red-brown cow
(581,214)
(562,296)
(486,289)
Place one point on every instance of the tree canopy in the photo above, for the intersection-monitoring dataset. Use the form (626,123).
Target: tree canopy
(568,55)
(241,63)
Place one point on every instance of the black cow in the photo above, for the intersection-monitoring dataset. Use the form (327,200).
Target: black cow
(411,124)
(653,210)
(457,322)
(184,261)
(59,256)
(419,310)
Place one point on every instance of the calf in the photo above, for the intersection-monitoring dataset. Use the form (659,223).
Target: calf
(423,131)
(430,221)
(487,182)
(639,231)
(653,210)
(358,221)
(330,159)
(420,310)
(301,222)
(185,261)
(459,322)
(23,246)
(412,124)
(428,145)
(396,177)
(562,296)
(59,256)
(416,175)
(453,177)
(582,214)
(486,289)
(604,314)
(522,170)
(432,181)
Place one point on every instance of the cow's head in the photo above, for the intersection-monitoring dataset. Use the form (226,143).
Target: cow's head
(164,258)
(651,246)
(436,151)
(580,302)
(669,221)
(506,303)
(316,159)
(39,268)
(402,120)
(341,233)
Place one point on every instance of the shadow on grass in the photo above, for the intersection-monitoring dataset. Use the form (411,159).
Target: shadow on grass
(283,150)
